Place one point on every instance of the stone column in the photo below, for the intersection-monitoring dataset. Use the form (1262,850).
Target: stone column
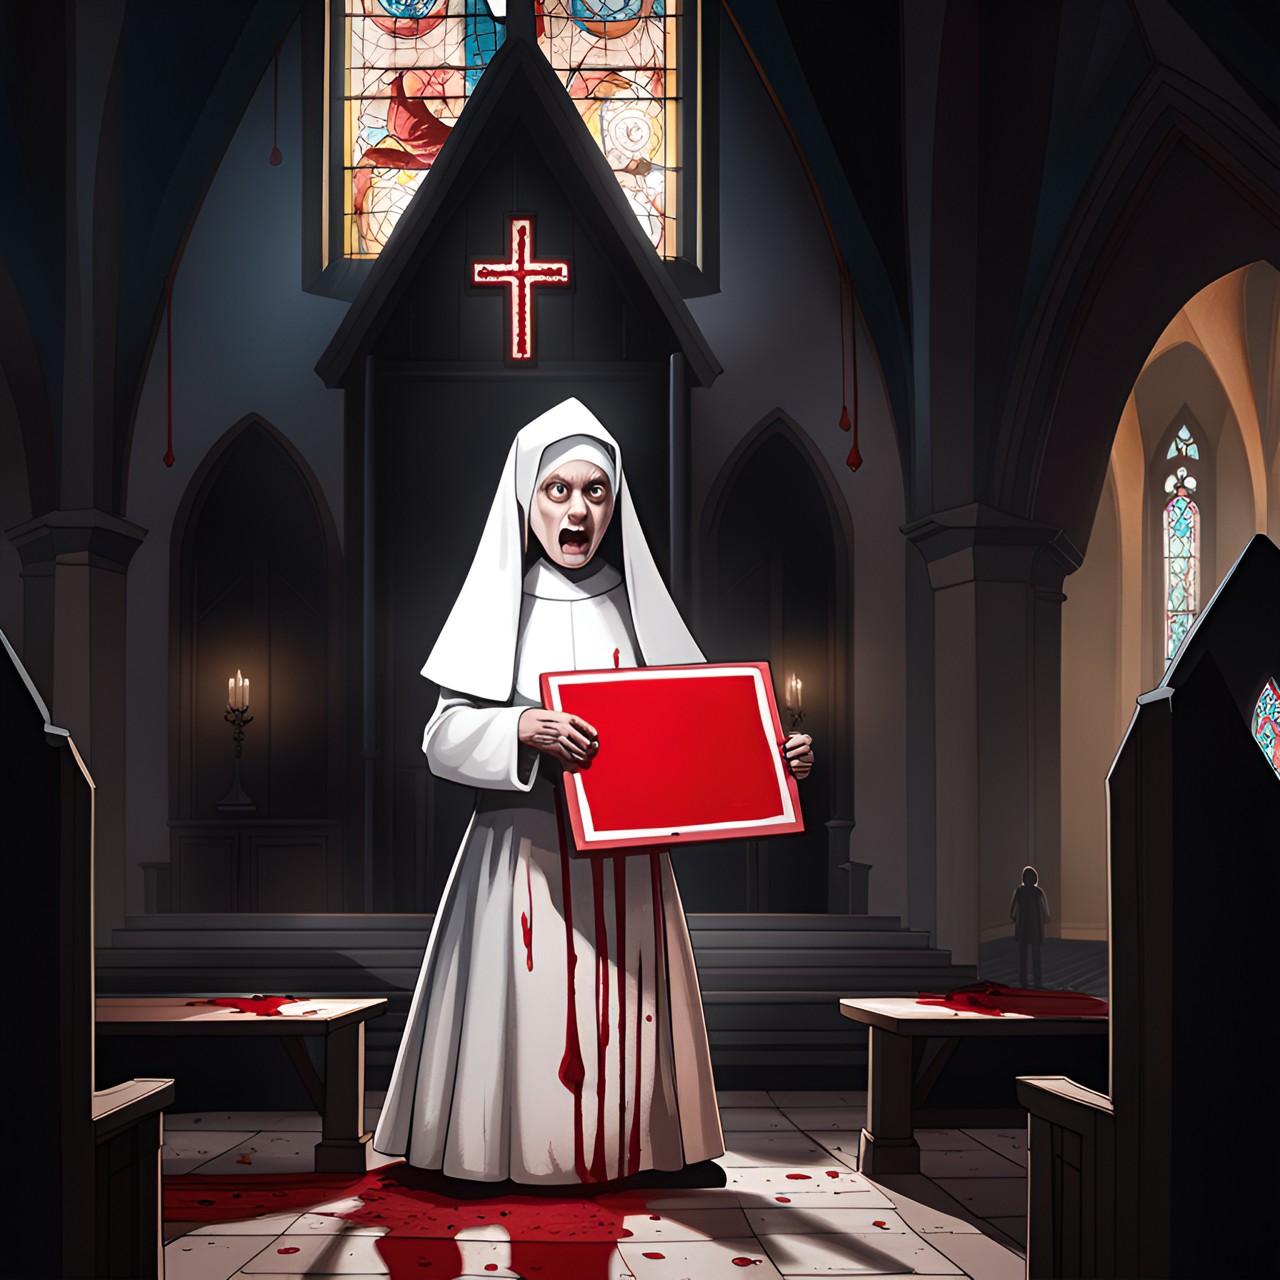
(73,568)
(996,620)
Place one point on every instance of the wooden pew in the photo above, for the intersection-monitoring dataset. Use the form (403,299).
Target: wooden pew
(88,1160)
(1153,1179)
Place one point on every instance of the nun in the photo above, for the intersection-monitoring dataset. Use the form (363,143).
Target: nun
(556,1033)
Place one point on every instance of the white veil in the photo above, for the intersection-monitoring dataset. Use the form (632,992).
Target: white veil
(476,649)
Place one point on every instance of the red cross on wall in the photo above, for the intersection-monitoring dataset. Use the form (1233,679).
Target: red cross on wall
(520,273)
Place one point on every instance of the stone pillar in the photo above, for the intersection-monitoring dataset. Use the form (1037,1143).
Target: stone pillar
(73,568)
(996,619)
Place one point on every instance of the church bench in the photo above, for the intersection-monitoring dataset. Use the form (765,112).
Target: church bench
(338,1095)
(895,1025)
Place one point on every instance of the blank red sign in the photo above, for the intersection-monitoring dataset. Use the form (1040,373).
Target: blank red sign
(688,753)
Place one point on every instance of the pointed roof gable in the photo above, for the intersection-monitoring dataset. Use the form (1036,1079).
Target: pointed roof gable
(518,86)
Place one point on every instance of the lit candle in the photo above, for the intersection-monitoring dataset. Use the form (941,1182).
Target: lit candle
(245,703)
(799,691)
(231,692)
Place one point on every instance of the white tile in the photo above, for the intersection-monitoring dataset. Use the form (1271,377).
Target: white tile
(945,1140)
(319,1224)
(1014,1228)
(819,1098)
(807,1185)
(1010,1143)
(703,1259)
(884,1253)
(686,1224)
(268,1153)
(273,1224)
(756,1119)
(988,1197)
(841,1143)
(813,1119)
(924,1207)
(216,1120)
(979,1162)
(208,1257)
(330,1255)
(485,1250)
(291,1120)
(978,1255)
(744,1098)
(186,1150)
(745,1147)
(793,1220)
(693,1198)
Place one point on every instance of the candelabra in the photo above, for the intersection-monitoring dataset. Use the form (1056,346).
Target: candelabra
(237,715)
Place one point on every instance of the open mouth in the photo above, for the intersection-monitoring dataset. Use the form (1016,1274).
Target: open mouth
(574,542)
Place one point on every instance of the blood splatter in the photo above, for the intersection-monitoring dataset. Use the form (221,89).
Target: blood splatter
(783,1199)
(526,919)
(293,1248)
(833,1173)
(599,1171)
(573,1071)
(262,1006)
(881,1223)
(799,1177)
(746,1262)
(653,1255)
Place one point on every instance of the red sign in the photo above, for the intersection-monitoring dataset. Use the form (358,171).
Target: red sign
(520,274)
(689,753)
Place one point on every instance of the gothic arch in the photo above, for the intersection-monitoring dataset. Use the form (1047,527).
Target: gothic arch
(806,529)
(1189,193)
(255,568)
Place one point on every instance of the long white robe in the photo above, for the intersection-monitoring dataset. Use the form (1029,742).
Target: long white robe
(552,1038)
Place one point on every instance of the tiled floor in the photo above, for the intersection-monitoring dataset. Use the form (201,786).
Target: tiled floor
(794,1205)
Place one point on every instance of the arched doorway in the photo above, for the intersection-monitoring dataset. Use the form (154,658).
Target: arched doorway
(777,588)
(1202,404)
(254,590)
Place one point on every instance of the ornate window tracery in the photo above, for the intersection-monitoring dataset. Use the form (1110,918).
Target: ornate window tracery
(410,66)
(1182,535)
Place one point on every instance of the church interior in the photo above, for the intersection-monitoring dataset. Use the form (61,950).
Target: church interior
(943,341)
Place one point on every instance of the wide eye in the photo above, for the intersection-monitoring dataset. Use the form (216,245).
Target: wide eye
(557,489)
(597,492)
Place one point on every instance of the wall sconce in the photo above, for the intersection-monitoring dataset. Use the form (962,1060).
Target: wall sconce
(237,715)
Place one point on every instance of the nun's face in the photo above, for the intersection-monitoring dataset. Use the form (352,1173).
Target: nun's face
(572,507)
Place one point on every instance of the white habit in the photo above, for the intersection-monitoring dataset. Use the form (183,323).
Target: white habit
(556,1033)
(549,1042)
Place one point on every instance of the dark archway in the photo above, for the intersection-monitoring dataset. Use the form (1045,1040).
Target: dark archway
(255,588)
(777,585)
(1186,198)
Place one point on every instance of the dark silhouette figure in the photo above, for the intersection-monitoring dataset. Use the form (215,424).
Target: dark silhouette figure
(1029,911)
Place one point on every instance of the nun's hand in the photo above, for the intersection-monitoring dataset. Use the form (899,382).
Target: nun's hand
(567,738)
(798,749)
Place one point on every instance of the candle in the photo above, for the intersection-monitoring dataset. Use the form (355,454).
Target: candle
(245,704)
(799,698)
(231,692)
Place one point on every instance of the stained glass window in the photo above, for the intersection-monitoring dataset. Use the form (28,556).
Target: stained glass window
(1183,445)
(411,65)
(1266,723)
(1181,558)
